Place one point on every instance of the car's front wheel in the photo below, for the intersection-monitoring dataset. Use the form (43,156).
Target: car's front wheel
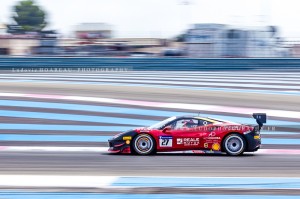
(234,144)
(143,144)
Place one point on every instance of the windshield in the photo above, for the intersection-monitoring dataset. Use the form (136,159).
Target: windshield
(162,123)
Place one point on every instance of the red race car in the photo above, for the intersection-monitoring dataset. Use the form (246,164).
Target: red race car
(191,133)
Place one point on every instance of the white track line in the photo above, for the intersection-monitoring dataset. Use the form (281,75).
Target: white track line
(71,181)
(57,181)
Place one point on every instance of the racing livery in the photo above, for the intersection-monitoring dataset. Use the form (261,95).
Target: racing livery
(195,133)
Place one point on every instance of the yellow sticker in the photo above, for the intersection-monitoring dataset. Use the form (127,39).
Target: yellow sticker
(127,138)
(127,141)
(257,137)
(216,147)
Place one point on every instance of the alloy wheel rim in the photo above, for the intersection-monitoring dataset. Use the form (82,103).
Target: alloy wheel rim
(143,144)
(234,144)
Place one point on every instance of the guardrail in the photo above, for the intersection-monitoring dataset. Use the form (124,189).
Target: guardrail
(151,64)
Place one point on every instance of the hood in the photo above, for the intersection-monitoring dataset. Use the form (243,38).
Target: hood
(142,129)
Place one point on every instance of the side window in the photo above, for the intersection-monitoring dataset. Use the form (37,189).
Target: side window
(185,123)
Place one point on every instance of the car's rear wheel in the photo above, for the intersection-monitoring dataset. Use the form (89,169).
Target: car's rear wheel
(234,144)
(143,144)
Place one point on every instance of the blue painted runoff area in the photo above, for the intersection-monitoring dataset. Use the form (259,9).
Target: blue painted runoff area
(128,121)
(218,182)
(250,120)
(83,138)
(53,138)
(92,108)
(280,141)
(45,195)
(54,127)
(277,133)
(135,111)
(74,117)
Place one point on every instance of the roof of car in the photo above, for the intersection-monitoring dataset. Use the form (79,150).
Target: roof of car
(199,118)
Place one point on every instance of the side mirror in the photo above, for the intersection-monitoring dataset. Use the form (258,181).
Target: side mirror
(167,129)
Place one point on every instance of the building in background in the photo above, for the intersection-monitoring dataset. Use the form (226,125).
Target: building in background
(17,45)
(137,47)
(93,31)
(205,40)
(219,40)
(295,50)
(48,40)
(3,29)
(3,44)
(201,41)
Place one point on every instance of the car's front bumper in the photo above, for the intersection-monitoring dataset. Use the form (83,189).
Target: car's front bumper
(118,146)
(121,142)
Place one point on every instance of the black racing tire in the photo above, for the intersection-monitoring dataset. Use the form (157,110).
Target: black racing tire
(143,144)
(234,144)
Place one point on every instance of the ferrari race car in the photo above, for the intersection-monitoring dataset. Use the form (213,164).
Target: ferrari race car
(191,133)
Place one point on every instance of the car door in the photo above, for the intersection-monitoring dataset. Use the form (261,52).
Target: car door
(186,134)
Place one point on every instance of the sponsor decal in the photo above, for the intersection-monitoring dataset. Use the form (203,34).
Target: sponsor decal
(257,137)
(165,141)
(216,147)
(127,137)
(191,141)
(218,128)
(127,141)
(198,151)
(212,141)
(212,136)
(179,141)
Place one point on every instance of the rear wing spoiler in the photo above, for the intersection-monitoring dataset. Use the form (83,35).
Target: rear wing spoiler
(261,118)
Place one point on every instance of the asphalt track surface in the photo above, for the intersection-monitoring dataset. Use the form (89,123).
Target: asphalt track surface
(188,165)
(70,163)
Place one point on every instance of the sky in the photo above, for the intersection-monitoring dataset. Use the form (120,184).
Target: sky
(165,18)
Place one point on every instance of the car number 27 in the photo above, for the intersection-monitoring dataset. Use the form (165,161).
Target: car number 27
(165,141)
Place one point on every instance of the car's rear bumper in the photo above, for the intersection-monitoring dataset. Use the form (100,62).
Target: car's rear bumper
(253,140)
